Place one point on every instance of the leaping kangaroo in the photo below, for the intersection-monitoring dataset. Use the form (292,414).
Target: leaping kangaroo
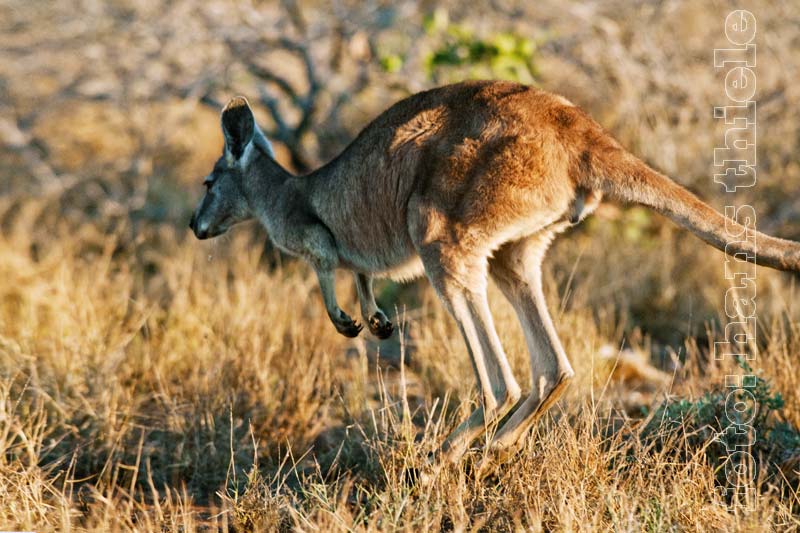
(460,183)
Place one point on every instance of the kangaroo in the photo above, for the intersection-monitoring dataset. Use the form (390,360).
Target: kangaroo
(459,183)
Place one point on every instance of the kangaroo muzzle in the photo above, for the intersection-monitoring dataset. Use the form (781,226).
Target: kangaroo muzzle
(200,230)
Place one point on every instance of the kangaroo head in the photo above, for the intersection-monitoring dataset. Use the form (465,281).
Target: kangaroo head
(225,202)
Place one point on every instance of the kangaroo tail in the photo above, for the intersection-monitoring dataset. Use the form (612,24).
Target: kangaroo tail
(622,176)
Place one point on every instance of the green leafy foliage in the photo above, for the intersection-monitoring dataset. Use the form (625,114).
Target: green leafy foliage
(391,62)
(726,420)
(458,52)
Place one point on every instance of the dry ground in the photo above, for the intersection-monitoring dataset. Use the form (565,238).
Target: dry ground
(150,382)
(178,385)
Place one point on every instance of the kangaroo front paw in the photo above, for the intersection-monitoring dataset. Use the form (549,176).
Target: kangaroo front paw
(380,326)
(347,326)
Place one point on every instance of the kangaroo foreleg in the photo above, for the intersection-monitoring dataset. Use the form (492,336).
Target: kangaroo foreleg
(341,320)
(377,321)
(319,249)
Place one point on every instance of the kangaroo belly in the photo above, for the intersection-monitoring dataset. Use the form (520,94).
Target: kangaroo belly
(397,262)
(409,269)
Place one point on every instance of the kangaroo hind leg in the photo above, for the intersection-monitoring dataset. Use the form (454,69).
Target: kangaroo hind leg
(461,285)
(516,268)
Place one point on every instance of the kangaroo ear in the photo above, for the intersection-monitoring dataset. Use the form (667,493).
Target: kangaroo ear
(260,140)
(238,125)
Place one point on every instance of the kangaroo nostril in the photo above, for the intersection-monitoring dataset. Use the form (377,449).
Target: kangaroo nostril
(201,229)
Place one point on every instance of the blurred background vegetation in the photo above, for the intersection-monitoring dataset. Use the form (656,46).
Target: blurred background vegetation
(137,359)
(109,110)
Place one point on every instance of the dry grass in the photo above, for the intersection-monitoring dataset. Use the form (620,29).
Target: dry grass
(150,382)
(180,386)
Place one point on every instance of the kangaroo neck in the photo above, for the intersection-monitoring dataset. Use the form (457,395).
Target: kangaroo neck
(264,183)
